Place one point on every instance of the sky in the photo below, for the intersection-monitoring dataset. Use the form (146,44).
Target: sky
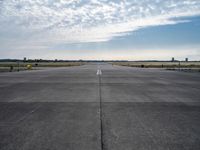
(100,29)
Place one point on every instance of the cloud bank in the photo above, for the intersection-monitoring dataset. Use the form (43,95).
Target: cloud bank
(76,21)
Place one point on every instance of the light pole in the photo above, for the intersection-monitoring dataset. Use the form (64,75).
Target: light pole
(18,65)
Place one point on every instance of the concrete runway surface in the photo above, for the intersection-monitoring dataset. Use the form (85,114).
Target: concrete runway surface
(100,107)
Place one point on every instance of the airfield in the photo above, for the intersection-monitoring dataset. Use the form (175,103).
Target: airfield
(99,106)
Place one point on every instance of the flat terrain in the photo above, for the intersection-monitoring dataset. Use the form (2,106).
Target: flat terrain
(60,109)
(161,64)
(21,66)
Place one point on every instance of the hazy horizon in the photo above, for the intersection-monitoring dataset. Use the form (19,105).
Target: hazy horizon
(100,29)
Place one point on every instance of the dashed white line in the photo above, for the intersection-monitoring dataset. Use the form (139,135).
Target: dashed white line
(99,72)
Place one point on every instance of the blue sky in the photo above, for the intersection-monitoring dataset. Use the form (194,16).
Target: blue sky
(100,29)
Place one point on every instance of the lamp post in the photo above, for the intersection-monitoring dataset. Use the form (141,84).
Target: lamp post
(18,65)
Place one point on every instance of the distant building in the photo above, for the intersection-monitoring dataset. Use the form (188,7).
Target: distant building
(173,59)
(186,59)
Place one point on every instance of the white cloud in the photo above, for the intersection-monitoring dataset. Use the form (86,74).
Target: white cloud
(69,21)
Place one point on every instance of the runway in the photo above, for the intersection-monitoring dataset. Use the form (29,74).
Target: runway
(99,107)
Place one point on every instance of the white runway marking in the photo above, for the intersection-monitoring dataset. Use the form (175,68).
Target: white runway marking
(99,72)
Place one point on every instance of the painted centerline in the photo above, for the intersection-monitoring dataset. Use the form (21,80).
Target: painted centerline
(99,72)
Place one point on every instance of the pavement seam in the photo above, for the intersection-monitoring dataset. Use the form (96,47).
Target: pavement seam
(28,114)
(101,115)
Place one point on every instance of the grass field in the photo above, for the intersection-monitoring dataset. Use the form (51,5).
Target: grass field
(6,66)
(166,65)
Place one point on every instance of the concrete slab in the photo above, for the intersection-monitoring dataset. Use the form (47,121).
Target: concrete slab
(151,126)
(53,126)
(142,109)
(49,92)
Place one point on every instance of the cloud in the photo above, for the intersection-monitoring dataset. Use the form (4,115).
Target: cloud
(75,21)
